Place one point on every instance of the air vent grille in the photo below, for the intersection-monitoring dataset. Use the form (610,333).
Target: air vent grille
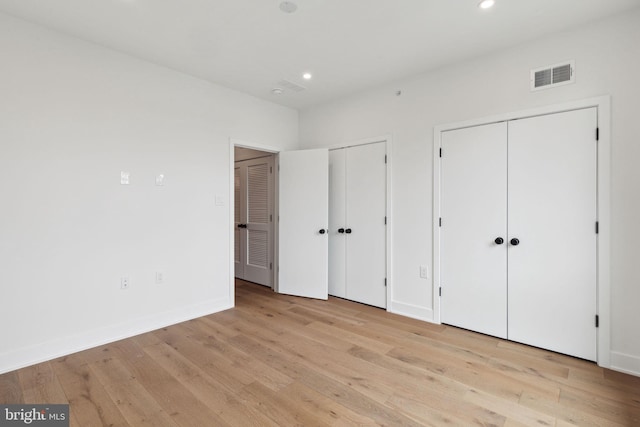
(553,75)
(295,87)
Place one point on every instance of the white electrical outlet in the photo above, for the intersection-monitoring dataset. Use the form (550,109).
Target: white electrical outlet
(124,283)
(159,277)
(424,271)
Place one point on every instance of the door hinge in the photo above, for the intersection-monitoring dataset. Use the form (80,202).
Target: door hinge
(440,291)
(385,220)
(597,227)
(278,167)
(270,218)
(441,152)
(270,266)
(439,222)
(385,159)
(597,134)
(385,282)
(597,321)
(270,169)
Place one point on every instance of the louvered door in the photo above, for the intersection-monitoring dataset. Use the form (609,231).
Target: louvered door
(254,220)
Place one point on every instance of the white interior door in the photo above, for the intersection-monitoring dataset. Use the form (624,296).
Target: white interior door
(253,220)
(239,253)
(258,237)
(552,212)
(303,211)
(337,223)
(365,231)
(474,215)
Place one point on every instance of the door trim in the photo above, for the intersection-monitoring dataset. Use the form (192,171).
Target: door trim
(603,106)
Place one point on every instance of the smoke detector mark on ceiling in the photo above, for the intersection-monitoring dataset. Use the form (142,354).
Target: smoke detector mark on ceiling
(288,7)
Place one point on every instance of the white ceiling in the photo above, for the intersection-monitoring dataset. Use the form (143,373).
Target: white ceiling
(348,45)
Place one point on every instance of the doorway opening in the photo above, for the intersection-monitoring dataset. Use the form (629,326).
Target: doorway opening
(253,211)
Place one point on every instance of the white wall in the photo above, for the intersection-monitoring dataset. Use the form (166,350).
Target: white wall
(72,116)
(607,56)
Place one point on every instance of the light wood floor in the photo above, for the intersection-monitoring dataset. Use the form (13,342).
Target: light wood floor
(282,361)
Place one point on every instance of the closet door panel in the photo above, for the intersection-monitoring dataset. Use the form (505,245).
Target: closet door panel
(365,219)
(474,215)
(337,221)
(303,220)
(552,212)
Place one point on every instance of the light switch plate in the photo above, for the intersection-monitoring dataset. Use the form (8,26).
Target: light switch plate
(424,272)
(124,178)
(160,179)
(219,201)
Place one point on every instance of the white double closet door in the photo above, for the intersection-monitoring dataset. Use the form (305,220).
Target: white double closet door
(518,232)
(253,223)
(357,223)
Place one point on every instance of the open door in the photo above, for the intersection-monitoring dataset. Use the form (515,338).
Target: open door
(304,216)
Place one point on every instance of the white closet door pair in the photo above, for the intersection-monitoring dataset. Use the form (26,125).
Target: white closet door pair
(518,236)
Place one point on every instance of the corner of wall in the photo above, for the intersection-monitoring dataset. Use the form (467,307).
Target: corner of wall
(27,356)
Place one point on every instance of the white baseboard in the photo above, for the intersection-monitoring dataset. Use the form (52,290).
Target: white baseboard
(410,310)
(625,363)
(31,355)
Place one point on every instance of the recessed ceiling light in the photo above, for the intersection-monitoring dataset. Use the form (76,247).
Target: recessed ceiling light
(288,7)
(486,4)
(276,91)
(307,76)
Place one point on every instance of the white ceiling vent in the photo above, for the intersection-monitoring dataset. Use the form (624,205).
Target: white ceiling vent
(295,87)
(553,75)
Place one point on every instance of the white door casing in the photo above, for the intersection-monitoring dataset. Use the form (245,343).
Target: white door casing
(303,221)
(474,212)
(552,213)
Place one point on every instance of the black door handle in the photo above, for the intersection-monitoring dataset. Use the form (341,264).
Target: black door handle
(340,230)
(515,242)
(499,240)
(322,231)
(348,231)
(242,225)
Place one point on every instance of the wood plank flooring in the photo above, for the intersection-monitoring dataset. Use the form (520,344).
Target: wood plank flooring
(278,360)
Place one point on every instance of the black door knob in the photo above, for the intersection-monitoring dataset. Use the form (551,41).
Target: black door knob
(499,240)
(340,230)
(348,231)
(515,242)
(322,231)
